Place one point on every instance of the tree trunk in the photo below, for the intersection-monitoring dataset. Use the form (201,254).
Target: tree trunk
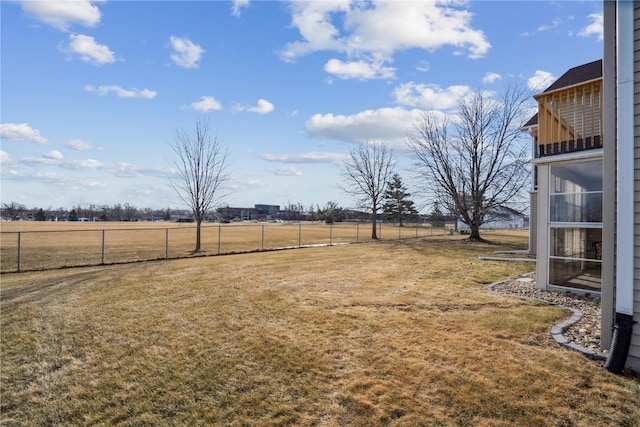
(374,231)
(474,232)
(198,228)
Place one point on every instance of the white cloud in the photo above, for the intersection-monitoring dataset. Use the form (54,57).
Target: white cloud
(540,80)
(39,161)
(79,145)
(121,92)
(423,66)
(242,184)
(83,164)
(53,155)
(312,157)
(206,103)
(36,176)
(88,50)
(358,70)
(51,159)
(544,27)
(21,131)
(60,14)
(314,23)
(238,5)
(126,169)
(430,96)
(54,158)
(596,27)
(387,124)
(373,31)
(490,78)
(186,53)
(5,158)
(262,107)
(554,24)
(286,171)
(255,183)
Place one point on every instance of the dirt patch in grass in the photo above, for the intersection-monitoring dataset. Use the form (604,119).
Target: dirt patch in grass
(388,333)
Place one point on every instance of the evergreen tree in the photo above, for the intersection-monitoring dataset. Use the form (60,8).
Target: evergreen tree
(40,215)
(73,215)
(397,203)
(437,217)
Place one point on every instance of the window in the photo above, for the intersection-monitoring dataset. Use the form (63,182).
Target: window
(575,227)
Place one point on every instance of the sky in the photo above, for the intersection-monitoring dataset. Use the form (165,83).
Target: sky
(92,93)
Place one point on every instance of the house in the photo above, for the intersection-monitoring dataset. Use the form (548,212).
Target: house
(585,211)
(566,200)
(621,165)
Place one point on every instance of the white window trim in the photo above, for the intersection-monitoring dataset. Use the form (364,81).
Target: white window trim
(593,154)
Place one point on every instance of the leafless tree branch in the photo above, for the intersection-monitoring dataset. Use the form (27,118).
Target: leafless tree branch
(201,166)
(365,173)
(478,166)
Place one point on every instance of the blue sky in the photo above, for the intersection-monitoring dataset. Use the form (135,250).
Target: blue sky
(92,92)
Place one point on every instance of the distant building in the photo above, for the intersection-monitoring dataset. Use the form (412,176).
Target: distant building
(266,211)
(258,212)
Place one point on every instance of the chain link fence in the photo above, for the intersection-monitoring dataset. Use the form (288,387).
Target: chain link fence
(42,250)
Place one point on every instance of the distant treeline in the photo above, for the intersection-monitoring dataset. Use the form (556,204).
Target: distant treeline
(330,212)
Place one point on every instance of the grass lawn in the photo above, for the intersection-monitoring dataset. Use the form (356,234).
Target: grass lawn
(389,333)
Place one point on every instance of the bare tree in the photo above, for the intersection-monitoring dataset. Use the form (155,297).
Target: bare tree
(130,212)
(13,211)
(201,170)
(366,172)
(477,165)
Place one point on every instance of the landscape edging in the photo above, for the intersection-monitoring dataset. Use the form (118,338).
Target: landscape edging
(557,331)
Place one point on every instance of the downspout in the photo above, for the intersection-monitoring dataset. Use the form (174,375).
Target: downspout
(624,189)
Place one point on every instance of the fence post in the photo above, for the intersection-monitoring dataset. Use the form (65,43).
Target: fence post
(357,232)
(399,231)
(299,235)
(219,232)
(262,238)
(19,248)
(166,243)
(380,231)
(102,246)
(330,234)
(416,231)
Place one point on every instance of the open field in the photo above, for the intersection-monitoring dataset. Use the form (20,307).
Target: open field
(387,333)
(37,245)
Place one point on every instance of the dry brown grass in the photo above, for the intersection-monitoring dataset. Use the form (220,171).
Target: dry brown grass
(389,333)
(46,245)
